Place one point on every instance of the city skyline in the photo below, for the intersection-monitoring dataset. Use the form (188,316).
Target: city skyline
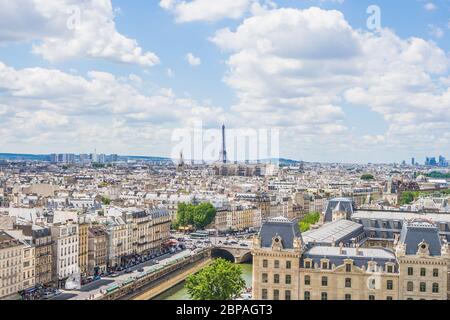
(356,86)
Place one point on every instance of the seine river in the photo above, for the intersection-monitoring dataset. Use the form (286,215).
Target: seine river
(180,293)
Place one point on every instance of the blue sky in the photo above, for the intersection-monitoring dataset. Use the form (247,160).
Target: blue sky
(365,102)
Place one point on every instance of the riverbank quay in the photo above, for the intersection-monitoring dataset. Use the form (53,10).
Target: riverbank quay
(150,285)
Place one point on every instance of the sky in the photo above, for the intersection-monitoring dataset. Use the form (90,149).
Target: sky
(340,80)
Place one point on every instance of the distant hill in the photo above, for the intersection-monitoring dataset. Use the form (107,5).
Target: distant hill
(282,161)
(29,157)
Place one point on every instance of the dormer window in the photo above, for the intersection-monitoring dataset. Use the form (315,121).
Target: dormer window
(423,248)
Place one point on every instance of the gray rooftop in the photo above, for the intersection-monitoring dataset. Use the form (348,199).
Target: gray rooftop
(400,215)
(286,229)
(338,231)
(338,204)
(416,231)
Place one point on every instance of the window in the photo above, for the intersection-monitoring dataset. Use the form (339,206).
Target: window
(287,295)
(348,267)
(265,263)
(388,298)
(390,269)
(423,287)
(348,297)
(324,265)
(307,264)
(435,287)
(348,282)
(324,281)
(307,295)
(276,294)
(307,280)
(265,278)
(288,265)
(276,264)
(324,296)
(264,294)
(435,273)
(276,278)
(371,297)
(410,271)
(410,286)
(390,285)
(288,279)
(423,272)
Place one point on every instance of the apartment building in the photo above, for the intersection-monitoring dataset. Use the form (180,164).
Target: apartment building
(119,241)
(11,264)
(65,239)
(83,260)
(97,250)
(42,241)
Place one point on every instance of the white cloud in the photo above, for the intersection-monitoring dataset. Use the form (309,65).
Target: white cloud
(47,107)
(298,69)
(210,11)
(170,73)
(193,60)
(430,6)
(65,29)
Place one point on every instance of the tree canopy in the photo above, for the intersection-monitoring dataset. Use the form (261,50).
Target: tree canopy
(222,280)
(367,177)
(197,215)
(308,220)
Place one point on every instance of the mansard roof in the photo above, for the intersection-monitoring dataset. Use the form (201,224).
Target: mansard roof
(416,231)
(286,229)
(338,204)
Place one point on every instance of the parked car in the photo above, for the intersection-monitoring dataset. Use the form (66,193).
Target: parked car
(244,245)
(128,271)
(141,270)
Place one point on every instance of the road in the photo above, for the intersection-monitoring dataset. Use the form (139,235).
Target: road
(94,288)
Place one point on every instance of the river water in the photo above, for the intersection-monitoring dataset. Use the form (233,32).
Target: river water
(180,293)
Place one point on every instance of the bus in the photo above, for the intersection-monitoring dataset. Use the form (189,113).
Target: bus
(112,288)
(130,280)
(198,235)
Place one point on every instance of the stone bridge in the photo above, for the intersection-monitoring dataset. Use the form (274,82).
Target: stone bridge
(236,254)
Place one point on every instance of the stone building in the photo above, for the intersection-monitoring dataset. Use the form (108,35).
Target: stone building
(11,264)
(97,250)
(83,227)
(65,238)
(330,264)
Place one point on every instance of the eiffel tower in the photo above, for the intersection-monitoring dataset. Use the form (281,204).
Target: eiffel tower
(223,152)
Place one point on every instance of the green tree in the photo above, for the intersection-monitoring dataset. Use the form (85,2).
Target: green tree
(308,220)
(197,215)
(203,215)
(222,280)
(408,197)
(106,201)
(367,177)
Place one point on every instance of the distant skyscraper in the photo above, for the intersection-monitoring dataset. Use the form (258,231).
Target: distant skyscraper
(413,162)
(223,152)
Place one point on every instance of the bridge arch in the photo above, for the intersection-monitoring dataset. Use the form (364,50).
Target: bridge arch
(247,258)
(222,253)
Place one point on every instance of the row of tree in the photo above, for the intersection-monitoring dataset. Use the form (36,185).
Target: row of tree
(198,216)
